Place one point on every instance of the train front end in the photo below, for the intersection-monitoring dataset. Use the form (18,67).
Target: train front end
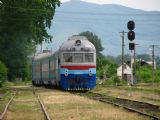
(77,64)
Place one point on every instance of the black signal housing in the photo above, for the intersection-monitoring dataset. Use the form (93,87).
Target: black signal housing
(131,35)
(131,25)
(131,46)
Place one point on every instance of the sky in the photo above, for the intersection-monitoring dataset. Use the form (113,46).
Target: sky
(147,5)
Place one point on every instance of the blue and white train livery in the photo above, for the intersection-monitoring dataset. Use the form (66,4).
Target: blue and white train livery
(72,67)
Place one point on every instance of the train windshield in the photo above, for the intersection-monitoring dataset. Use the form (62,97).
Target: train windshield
(78,57)
(67,57)
(88,57)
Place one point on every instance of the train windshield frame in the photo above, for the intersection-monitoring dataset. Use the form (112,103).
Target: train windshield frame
(78,57)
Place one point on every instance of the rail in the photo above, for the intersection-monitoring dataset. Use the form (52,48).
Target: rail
(42,105)
(147,109)
(6,108)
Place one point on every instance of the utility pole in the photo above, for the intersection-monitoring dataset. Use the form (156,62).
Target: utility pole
(153,55)
(122,59)
(131,82)
(139,65)
(134,72)
(123,55)
(135,75)
(41,47)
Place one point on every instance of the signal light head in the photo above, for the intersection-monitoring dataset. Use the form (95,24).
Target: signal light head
(131,25)
(131,35)
(131,46)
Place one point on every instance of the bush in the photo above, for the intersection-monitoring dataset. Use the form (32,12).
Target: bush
(106,68)
(114,80)
(3,73)
(144,74)
(157,74)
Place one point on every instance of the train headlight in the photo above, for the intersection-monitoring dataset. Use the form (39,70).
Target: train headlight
(66,73)
(78,43)
(90,73)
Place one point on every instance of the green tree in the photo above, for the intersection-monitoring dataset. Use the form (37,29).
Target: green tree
(93,38)
(3,73)
(24,24)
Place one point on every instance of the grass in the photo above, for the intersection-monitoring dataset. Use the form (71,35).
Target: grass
(13,84)
(3,102)
(145,94)
(5,96)
(66,106)
(25,107)
(2,92)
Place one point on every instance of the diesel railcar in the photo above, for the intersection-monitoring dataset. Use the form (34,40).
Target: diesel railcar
(72,67)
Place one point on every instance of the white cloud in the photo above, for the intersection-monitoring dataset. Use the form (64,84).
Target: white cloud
(138,4)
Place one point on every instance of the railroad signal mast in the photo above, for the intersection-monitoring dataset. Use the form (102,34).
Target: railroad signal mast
(131,37)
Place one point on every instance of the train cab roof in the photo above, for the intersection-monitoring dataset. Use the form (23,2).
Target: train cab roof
(77,43)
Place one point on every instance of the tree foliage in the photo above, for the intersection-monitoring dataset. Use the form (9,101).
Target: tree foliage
(93,38)
(106,68)
(144,73)
(23,24)
(3,73)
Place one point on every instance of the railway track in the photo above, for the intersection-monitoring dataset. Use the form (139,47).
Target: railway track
(150,110)
(7,106)
(42,105)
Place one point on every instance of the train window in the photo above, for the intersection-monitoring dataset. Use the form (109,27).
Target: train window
(37,66)
(52,65)
(45,66)
(67,57)
(88,57)
(78,57)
